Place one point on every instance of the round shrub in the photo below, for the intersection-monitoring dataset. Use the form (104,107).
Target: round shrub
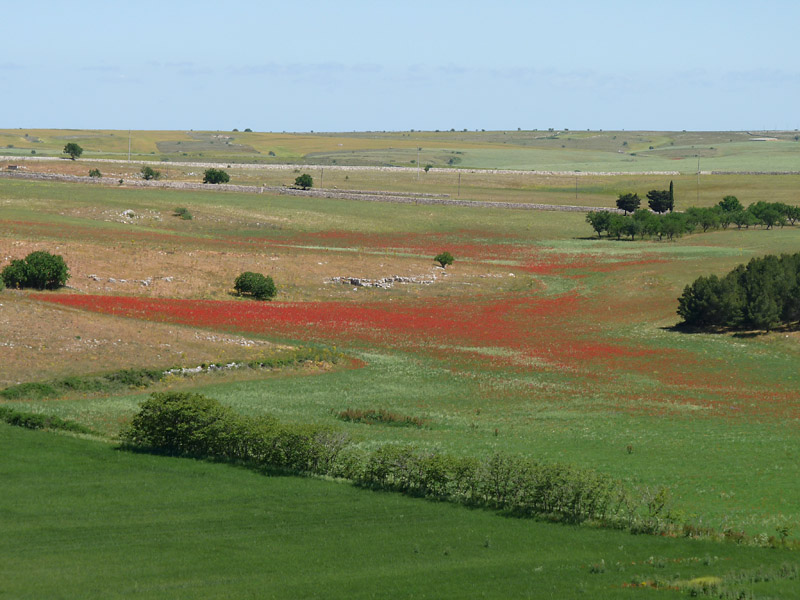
(256,285)
(40,270)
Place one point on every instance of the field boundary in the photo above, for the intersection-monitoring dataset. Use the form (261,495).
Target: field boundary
(351,168)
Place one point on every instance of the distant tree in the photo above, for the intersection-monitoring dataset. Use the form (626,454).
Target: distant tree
(743,218)
(40,270)
(304,181)
(149,173)
(95,173)
(599,220)
(248,130)
(658,200)
(214,176)
(444,259)
(256,285)
(628,202)
(427,168)
(617,226)
(73,149)
(730,204)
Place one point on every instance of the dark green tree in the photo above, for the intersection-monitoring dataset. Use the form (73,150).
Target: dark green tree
(671,197)
(95,173)
(73,149)
(304,181)
(215,176)
(730,204)
(444,259)
(658,200)
(628,202)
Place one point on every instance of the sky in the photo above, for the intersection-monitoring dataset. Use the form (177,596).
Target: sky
(400,65)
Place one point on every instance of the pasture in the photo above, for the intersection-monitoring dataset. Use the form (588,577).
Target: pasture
(540,340)
(553,150)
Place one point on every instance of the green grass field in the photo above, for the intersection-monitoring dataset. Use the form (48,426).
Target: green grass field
(541,341)
(86,520)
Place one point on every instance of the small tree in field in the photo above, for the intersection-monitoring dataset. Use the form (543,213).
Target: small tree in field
(40,270)
(95,173)
(444,259)
(215,176)
(256,285)
(304,181)
(73,149)
(149,173)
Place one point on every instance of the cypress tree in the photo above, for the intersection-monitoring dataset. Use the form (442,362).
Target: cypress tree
(671,202)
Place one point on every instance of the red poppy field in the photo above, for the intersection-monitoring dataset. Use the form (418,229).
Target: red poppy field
(539,339)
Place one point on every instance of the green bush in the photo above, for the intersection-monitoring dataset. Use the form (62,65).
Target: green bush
(183,213)
(149,173)
(256,285)
(95,173)
(40,270)
(215,176)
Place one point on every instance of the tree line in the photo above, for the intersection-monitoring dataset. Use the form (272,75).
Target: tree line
(651,223)
(764,294)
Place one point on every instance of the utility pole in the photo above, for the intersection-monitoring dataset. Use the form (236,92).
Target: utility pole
(418,149)
(322,177)
(459,184)
(576,187)
(698,182)
(129,145)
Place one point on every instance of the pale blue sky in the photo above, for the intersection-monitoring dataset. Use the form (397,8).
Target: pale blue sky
(343,66)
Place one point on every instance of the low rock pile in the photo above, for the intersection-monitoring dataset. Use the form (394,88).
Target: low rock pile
(385,282)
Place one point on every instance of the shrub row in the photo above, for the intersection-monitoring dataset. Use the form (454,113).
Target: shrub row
(109,382)
(761,295)
(380,416)
(37,421)
(188,424)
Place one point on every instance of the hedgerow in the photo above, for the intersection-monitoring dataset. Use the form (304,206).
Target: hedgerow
(186,424)
(39,421)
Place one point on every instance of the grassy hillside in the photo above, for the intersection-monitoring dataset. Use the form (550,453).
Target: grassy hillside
(599,151)
(101,523)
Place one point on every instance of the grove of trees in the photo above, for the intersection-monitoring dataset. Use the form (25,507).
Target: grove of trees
(654,223)
(762,295)
(40,270)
